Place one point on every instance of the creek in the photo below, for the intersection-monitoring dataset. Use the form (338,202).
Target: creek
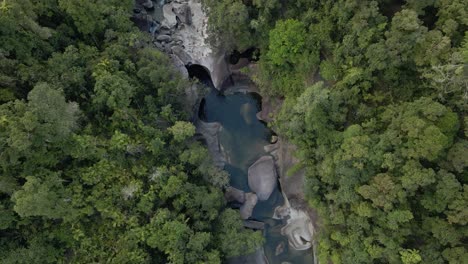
(243,138)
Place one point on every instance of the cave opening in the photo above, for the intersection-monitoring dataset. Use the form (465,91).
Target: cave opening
(201,73)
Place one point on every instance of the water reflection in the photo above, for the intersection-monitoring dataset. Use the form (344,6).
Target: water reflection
(242,138)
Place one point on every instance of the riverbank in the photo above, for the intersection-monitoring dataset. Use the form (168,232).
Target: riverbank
(182,35)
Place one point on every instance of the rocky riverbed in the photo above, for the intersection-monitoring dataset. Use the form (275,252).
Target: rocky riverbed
(179,29)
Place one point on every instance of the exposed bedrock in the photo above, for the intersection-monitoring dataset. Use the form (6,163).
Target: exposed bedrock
(262,177)
(299,230)
(234,195)
(210,132)
(247,208)
(182,33)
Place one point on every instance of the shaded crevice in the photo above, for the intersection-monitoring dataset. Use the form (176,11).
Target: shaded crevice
(201,73)
(251,54)
(390,8)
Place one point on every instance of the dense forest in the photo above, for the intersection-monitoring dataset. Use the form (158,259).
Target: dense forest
(97,156)
(375,98)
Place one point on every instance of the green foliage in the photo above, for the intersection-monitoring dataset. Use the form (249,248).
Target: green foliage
(410,256)
(228,24)
(41,198)
(97,157)
(287,41)
(92,18)
(234,239)
(182,130)
(287,58)
(382,140)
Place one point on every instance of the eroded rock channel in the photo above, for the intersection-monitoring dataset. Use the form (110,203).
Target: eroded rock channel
(239,142)
(246,148)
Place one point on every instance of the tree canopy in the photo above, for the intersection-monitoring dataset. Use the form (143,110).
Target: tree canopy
(97,156)
(375,99)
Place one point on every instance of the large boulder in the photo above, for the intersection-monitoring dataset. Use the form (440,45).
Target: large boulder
(180,66)
(183,13)
(164,38)
(183,56)
(263,177)
(170,19)
(299,230)
(247,208)
(148,4)
(234,195)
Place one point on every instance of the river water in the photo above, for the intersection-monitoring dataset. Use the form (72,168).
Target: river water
(243,137)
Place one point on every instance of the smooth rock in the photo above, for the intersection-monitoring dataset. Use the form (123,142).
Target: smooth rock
(180,66)
(183,56)
(158,45)
(252,224)
(170,19)
(234,195)
(164,38)
(184,13)
(299,230)
(210,132)
(270,148)
(246,209)
(281,212)
(279,249)
(167,49)
(274,139)
(148,4)
(263,177)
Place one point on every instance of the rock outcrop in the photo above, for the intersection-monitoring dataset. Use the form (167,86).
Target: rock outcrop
(148,4)
(183,13)
(234,195)
(182,33)
(252,224)
(210,132)
(299,230)
(247,208)
(262,177)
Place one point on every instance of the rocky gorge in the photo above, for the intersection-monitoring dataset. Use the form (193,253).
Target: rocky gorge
(179,29)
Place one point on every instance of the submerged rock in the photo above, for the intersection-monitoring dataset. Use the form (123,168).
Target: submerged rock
(271,148)
(246,111)
(257,225)
(263,177)
(279,249)
(234,195)
(247,208)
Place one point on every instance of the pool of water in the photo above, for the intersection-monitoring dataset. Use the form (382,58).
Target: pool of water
(243,137)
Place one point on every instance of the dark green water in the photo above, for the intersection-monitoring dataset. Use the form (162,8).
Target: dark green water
(243,138)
